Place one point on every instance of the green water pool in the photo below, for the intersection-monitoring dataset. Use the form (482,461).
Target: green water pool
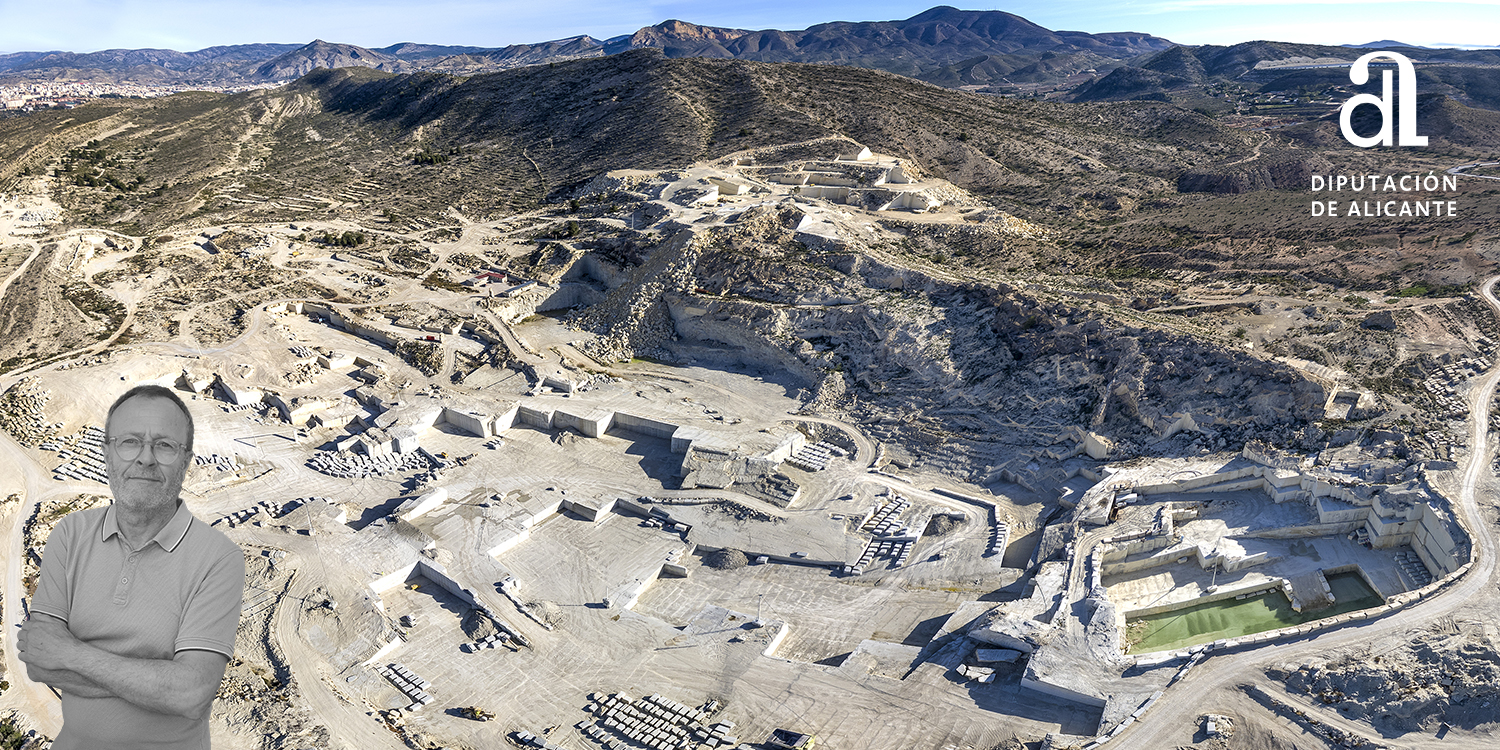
(1204,623)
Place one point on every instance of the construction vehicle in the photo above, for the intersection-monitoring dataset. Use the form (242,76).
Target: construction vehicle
(476,713)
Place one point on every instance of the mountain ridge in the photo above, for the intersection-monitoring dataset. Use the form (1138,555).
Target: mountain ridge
(926,42)
(991,50)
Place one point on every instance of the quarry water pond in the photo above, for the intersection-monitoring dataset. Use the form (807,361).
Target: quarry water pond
(1229,618)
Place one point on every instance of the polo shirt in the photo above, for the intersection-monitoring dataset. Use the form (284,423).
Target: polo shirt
(182,590)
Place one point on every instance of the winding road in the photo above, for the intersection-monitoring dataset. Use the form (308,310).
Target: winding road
(1463,169)
(1182,704)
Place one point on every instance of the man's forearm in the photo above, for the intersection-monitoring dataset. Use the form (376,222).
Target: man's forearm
(67,681)
(161,685)
(183,685)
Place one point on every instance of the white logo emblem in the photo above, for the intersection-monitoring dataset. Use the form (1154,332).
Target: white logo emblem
(1359,73)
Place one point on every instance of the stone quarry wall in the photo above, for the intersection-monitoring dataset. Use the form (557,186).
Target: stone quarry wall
(645,426)
(540,299)
(1385,519)
(1353,568)
(421,506)
(589,511)
(1434,545)
(1307,531)
(1058,691)
(1330,511)
(1112,556)
(426,569)
(1112,559)
(350,324)
(731,330)
(593,424)
(478,425)
(539,418)
(1227,591)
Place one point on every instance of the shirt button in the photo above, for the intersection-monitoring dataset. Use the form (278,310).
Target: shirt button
(124,580)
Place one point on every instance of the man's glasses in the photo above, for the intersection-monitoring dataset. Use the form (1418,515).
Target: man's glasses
(129,447)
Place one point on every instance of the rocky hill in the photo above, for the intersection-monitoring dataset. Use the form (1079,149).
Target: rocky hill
(517,56)
(1474,86)
(1128,83)
(679,39)
(320,54)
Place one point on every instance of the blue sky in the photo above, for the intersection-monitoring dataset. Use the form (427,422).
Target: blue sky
(90,25)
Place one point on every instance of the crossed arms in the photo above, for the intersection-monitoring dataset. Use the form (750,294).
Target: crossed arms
(184,685)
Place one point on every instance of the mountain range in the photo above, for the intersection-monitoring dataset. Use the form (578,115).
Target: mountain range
(944,46)
(921,46)
(1471,76)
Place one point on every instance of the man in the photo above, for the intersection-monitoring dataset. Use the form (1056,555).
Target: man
(137,603)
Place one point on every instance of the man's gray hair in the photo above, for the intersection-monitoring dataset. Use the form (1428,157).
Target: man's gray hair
(153,391)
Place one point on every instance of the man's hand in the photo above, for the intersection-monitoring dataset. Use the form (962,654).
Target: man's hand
(45,642)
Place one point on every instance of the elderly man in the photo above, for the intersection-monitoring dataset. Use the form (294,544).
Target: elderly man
(136,608)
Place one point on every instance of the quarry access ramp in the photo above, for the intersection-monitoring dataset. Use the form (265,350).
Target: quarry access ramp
(1218,672)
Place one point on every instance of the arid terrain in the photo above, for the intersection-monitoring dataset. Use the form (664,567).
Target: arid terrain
(670,402)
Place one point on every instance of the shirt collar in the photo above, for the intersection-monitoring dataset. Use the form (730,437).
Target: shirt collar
(168,538)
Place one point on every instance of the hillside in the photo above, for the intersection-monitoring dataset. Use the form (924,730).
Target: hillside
(510,139)
(1146,179)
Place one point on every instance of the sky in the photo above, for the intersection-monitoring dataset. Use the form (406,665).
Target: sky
(186,25)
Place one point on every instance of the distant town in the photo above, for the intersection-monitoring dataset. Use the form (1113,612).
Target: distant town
(30,97)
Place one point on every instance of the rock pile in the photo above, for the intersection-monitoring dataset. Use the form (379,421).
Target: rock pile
(23,412)
(1449,674)
(726,559)
(633,319)
(97,359)
(359,466)
(222,463)
(302,374)
(83,455)
(778,489)
(898,550)
(269,508)
(654,722)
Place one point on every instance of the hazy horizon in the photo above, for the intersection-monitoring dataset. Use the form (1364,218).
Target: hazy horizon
(84,26)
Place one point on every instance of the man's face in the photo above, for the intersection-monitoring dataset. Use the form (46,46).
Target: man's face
(145,482)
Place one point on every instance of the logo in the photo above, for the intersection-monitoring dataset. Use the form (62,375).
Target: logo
(1359,73)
